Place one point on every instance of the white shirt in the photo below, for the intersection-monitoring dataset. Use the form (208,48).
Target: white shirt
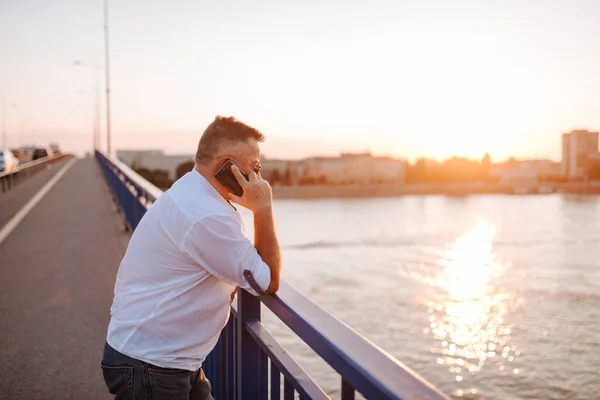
(174,283)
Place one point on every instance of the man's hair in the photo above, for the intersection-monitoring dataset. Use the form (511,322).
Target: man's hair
(222,131)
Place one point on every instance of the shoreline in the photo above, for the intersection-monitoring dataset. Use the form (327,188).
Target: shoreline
(394,190)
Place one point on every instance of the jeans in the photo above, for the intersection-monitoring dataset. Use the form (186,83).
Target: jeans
(128,378)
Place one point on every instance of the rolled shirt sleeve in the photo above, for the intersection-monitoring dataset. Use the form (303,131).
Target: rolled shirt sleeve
(218,244)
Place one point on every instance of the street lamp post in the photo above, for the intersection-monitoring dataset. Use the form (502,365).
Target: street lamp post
(107,87)
(107,72)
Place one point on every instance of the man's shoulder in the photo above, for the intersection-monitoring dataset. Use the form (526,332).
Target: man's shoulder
(220,216)
(198,203)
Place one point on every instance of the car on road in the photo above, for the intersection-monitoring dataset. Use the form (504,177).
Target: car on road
(39,153)
(8,161)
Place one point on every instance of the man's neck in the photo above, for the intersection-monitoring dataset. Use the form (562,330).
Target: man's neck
(212,181)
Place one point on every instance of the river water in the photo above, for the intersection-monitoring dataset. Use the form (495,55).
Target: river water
(491,297)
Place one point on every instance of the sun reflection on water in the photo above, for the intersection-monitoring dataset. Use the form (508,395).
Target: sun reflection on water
(467,317)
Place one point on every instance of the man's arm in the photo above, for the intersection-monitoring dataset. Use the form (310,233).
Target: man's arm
(217,244)
(265,241)
(258,198)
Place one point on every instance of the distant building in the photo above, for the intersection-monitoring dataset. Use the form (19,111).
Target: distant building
(353,168)
(521,173)
(280,171)
(525,172)
(546,168)
(154,159)
(579,152)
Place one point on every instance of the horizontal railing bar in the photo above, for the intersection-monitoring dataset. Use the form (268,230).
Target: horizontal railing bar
(284,362)
(138,180)
(135,178)
(372,371)
(34,163)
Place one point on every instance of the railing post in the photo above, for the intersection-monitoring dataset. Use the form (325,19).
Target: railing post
(248,363)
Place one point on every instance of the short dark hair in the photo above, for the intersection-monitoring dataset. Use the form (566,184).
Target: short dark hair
(221,131)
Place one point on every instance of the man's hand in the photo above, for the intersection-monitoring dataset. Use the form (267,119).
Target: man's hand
(257,195)
(233,295)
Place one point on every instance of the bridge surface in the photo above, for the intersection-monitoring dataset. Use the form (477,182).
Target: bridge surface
(57,268)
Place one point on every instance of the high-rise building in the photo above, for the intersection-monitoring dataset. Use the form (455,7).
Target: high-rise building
(580,150)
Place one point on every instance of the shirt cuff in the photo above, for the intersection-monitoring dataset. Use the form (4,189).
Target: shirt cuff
(262,276)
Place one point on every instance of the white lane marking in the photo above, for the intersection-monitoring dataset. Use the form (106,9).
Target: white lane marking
(18,217)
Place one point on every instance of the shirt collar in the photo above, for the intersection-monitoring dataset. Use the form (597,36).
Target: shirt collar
(210,189)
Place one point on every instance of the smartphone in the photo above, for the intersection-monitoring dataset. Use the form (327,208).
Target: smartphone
(226,178)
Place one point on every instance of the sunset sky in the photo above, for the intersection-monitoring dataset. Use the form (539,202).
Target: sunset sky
(405,78)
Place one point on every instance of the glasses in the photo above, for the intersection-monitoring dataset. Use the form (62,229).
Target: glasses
(256,168)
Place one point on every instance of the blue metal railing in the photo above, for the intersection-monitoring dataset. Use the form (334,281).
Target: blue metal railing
(248,363)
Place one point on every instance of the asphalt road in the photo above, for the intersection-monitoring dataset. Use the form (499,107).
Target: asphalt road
(12,200)
(57,270)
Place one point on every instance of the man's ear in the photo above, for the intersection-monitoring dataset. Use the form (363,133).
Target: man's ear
(217,166)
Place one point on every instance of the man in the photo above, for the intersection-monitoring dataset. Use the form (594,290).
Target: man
(181,270)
